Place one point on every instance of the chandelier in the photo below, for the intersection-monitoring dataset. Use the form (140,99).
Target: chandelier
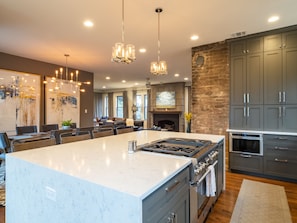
(62,79)
(160,67)
(122,53)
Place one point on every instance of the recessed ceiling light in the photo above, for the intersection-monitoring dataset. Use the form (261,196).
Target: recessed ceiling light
(142,50)
(186,79)
(136,83)
(88,23)
(123,81)
(107,78)
(273,19)
(194,37)
(176,75)
(104,87)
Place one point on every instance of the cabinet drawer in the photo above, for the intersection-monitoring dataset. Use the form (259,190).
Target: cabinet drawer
(244,162)
(281,140)
(280,167)
(162,195)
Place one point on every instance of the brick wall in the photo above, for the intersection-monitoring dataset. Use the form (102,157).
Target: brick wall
(210,89)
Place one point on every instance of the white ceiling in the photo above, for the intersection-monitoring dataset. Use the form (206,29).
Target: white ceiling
(46,30)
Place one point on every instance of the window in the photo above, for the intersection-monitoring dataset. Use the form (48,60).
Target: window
(106,105)
(120,107)
(141,104)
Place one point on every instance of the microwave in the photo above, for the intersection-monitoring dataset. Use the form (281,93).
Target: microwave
(246,143)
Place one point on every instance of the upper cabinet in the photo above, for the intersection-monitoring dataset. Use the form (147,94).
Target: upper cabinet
(280,68)
(246,83)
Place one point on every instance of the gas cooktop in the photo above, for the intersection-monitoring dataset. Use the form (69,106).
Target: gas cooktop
(176,146)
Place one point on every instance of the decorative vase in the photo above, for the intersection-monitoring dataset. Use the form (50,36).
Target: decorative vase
(65,127)
(189,127)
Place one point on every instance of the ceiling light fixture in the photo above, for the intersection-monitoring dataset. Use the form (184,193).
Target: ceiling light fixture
(160,67)
(62,78)
(273,19)
(122,53)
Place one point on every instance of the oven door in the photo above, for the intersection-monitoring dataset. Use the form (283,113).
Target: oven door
(200,203)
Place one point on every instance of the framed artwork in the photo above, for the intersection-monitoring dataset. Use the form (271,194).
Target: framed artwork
(62,102)
(165,99)
(19,100)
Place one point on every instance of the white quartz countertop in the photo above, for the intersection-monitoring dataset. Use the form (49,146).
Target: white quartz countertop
(106,161)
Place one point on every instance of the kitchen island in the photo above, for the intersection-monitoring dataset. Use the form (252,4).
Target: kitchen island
(94,180)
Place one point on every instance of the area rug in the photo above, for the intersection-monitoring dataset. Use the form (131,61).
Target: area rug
(260,203)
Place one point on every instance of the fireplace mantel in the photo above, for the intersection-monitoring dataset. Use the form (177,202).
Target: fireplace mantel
(166,112)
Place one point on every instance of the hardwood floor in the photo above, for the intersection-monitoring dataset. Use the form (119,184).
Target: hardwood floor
(222,211)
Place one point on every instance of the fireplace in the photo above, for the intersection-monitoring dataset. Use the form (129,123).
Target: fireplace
(167,121)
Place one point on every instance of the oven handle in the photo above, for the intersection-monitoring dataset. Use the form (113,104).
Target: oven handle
(206,173)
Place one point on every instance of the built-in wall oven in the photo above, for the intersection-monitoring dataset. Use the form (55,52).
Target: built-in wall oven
(246,143)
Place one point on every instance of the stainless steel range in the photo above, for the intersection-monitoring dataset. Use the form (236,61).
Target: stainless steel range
(204,156)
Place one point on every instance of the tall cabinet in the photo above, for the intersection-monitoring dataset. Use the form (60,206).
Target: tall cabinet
(264,82)
(247,84)
(280,82)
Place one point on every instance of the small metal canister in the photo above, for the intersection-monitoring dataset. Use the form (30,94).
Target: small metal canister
(132,146)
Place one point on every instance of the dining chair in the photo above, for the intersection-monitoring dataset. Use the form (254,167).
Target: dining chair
(49,127)
(26,145)
(68,137)
(124,130)
(101,132)
(5,142)
(56,134)
(20,130)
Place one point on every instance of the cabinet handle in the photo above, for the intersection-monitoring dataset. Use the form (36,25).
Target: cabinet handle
(248,112)
(245,156)
(281,161)
(247,98)
(284,96)
(244,51)
(244,98)
(281,138)
(279,97)
(247,51)
(281,148)
(279,112)
(284,111)
(170,188)
(244,112)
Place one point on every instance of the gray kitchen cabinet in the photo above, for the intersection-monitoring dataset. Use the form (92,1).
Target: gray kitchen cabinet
(246,117)
(170,203)
(280,156)
(280,117)
(246,83)
(280,68)
(246,162)
(247,75)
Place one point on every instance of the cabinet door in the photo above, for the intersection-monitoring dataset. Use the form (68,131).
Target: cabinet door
(273,42)
(254,45)
(238,80)
(254,79)
(290,39)
(237,117)
(272,117)
(289,118)
(176,210)
(254,117)
(290,75)
(238,48)
(272,77)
